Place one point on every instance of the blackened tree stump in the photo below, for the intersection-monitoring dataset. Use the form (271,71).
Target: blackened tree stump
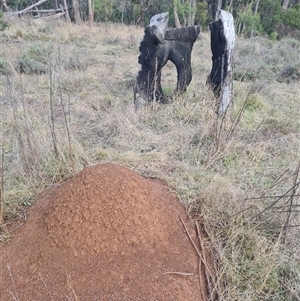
(158,46)
(222,44)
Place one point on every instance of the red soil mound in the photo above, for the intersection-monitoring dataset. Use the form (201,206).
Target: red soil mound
(106,234)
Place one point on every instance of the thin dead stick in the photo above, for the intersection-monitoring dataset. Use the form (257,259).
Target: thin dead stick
(200,240)
(200,258)
(277,200)
(287,221)
(64,111)
(280,179)
(293,205)
(218,279)
(42,280)
(208,273)
(241,111)
(188,234)
(13,296)
(169,273)
(14,284)
(285,211)
(200,279)
(2,185)
(253,134)
(71,286)
(271,197)
(197,250)
(52,127)
(178,273)
(248,208)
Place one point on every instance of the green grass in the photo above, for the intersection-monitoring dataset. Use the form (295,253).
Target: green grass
(236,174)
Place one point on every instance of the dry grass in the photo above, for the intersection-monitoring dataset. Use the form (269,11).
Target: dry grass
(74,107)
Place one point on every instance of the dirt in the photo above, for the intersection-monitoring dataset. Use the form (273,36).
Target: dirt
(106,234)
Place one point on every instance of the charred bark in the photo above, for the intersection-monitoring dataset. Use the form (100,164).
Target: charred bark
(157,47)
(222,44)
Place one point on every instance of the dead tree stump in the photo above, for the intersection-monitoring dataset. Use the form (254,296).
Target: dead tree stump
(159,45)
(222,44)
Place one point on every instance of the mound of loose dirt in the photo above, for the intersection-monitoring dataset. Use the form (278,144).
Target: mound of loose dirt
(106,234)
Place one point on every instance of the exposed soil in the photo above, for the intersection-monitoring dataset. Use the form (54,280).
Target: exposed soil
(106,234)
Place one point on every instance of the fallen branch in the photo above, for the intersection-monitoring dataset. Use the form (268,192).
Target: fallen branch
(46,10)
(26,9)
(49,17)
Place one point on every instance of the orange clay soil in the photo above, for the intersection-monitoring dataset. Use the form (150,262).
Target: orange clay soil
(106,234)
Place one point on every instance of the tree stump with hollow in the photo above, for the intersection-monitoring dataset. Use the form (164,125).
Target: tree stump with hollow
(158,46)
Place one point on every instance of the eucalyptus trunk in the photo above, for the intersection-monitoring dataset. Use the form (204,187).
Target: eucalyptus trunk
(76,11)
(91,12)
(176,17)
(67,11)
(230,9)
(285,4)
(4,6)
(192,12)
(215,8)
(255,12)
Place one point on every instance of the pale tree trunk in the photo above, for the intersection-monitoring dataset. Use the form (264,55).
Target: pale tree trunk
(192,11)
(91,12)
(255,12)
(285,4)
(122,6)
(176,17)
(184,20)
(227,84)
(4,6)
(256,7)
(76,11)
(67,11)
(215,8)
(143,8)
(231,7)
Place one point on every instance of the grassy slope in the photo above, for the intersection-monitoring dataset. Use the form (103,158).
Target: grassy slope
(231,171)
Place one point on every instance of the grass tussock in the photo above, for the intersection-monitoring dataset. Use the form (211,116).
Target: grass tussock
(67,102)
